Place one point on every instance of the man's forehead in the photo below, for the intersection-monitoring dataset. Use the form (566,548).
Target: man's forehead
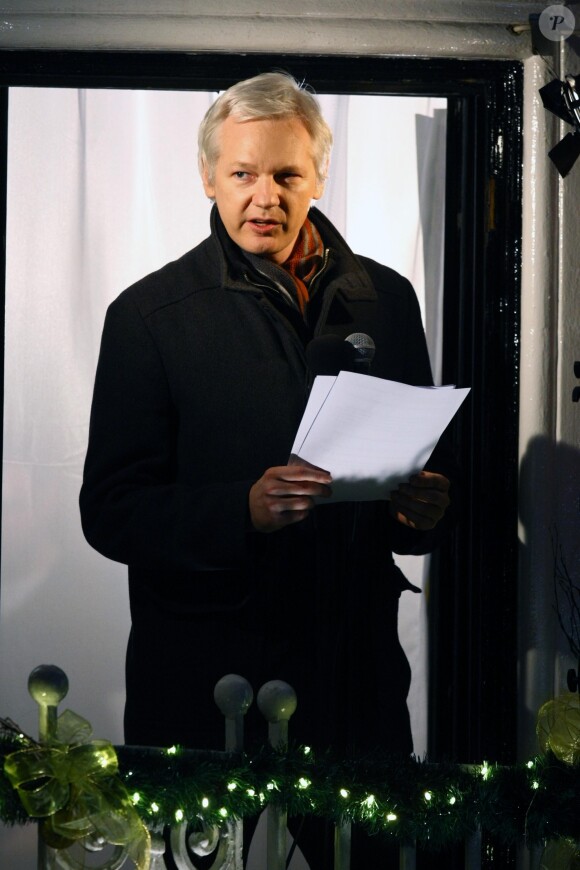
(278,140)
(238,129)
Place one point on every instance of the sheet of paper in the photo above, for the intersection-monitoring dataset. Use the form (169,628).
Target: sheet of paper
(372,434)
(321,387)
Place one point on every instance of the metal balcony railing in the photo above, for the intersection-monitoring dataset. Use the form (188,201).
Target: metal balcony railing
(216,846)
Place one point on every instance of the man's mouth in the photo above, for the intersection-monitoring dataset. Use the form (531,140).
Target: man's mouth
(262,225)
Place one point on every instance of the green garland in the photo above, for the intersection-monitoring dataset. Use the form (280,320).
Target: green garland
(408,799)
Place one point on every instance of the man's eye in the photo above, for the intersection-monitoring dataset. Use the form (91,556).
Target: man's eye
(240,174)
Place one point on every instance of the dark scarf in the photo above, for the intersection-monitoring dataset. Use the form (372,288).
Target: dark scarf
(305,260)
(291,278)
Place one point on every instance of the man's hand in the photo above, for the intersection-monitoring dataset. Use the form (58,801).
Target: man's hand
(422,501)
(285,494)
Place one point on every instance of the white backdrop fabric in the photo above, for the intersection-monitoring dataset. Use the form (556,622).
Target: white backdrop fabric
(102,189)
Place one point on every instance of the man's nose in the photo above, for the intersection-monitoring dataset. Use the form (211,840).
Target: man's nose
(266,192)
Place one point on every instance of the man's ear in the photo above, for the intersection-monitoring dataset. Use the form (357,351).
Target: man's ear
(208,185)
(319,189)
(321,183)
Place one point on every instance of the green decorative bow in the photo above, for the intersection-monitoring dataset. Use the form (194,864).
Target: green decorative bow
(558,727)
(73,784)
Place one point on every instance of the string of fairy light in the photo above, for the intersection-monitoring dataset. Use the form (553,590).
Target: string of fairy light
(407,799)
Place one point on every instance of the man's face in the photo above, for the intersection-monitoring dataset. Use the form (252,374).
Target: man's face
(263,184)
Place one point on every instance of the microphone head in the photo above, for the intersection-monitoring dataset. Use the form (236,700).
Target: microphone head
(329,354)
(364,347)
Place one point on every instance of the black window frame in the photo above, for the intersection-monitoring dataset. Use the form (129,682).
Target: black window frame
(472,606)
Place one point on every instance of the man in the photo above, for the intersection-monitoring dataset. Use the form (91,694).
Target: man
(235,562)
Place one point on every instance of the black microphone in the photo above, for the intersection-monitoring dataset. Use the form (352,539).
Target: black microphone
(329,354)
(364,351)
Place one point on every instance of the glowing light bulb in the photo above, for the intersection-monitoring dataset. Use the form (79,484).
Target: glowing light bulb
(391,817)
(205,803)
(485,771)
(343,793)
(172,750)
(178,815)
(535,784)
(452,800)
(136,797)
(428,795)
(154,807)
(303,782)
(223,813)
(232,786)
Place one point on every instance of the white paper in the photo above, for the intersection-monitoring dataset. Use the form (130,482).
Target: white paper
(372,434)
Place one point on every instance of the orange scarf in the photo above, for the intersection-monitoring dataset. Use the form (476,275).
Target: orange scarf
(305,260)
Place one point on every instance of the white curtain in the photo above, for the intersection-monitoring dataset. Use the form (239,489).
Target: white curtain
(102,189)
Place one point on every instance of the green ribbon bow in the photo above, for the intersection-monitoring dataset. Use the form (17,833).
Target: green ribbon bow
(73,784)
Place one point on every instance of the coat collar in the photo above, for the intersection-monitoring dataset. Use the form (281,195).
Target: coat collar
(345,271)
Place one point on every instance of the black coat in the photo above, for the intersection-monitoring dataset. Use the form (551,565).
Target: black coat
(201,384)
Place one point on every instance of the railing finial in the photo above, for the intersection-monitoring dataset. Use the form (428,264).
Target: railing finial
(277,701)
(48,685)
(233,695)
